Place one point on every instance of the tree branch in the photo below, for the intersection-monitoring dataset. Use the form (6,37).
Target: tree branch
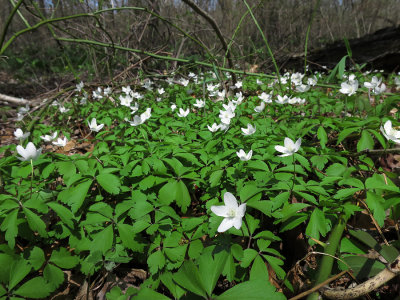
(214,25)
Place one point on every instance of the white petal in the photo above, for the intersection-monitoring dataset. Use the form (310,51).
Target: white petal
(237,223)
(230,200)
(281,149)
(221,211)
(297,144)
(388,126)
(21,151)
(241,210)
(288,143)
(226,224)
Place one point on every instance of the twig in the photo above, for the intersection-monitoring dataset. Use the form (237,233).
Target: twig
(317,287)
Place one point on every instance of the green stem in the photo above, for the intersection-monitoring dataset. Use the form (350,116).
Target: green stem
(324,270)
(31,177)
(271,55)
(8,22)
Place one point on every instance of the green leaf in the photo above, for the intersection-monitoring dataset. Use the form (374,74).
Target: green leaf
(53,275)
(64,213)
(182,195)
(175,190)
(316,225)
(19,269)
(109,182)
(363,267)
(35,222)
(210,269)
(36,288)
(259,269)
(195,249)
(188,277)
(345,133)
(250,192)
(322,136)
(126,234)
(103,240)
(366,141)
(36,258)
(174,288)
(252,290)
(375,204)
(10,225)
(75,196)
(63,259)
(156,261)
(215,178)
(319,161)
(248,256)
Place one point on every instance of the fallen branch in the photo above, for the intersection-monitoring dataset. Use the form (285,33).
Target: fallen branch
(13,100)
(368,286)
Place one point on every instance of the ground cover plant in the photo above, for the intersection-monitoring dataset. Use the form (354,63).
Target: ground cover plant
(183,188)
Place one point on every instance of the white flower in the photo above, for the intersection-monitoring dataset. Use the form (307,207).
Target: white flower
(192,75)
(94,127)
(183,113)
(239,98)
(79,86)
(199,103)
(107,91)
(230,106)
(243,156)
(20,135)
(224,127)
(231,211)
(170,80)
(249,130)
(226,116)
(293,100)
(127,90)
(125,100)
(63,109)
(265,97)
(238,84)
(136,95)
(146,115)
(29,153)
(259,82)
(397,81)
(302,88)
(211,87)
(349,88)
(379,89)
(213,128)
(49,138)
(221,95)
(390,133)
(282,100)
(173,107)
(260,108)
(137,120)
(290,147)
(374,82)
(312,81)
(97,94)
(184,82)
(61,142)
(134,108)
(161,91)
(296,78)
